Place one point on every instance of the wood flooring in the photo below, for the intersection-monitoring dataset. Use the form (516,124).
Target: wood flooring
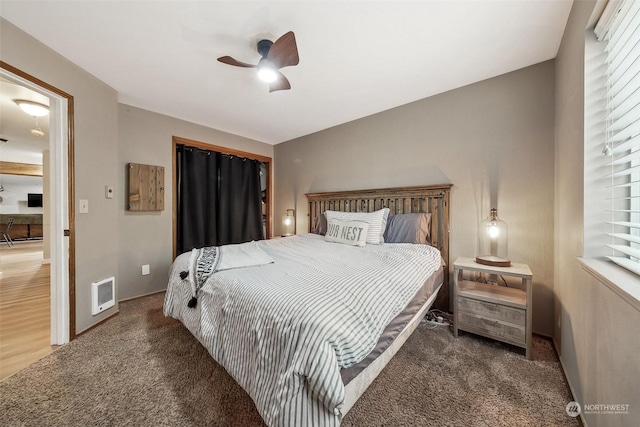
(25,321)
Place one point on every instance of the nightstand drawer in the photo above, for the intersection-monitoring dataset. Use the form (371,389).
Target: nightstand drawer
(491,310)
(504,331)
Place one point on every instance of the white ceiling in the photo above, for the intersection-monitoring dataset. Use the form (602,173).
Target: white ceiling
(357,58)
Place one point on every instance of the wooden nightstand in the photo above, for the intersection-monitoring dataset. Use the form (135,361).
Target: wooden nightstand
(493,311)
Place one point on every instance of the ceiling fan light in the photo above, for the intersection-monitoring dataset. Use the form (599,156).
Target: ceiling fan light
(34,109)
(266,71)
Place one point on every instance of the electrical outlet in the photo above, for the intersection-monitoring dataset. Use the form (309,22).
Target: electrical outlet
(145,269)
(108,192)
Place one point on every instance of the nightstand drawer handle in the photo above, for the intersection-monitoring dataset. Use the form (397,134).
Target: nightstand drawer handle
(491,321)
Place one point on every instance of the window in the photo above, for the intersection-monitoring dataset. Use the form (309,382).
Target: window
(619,28)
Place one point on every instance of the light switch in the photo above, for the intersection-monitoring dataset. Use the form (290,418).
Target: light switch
(108,192)
(145,269)
(84,206)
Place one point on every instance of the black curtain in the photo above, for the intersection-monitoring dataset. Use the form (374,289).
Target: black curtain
(197,210)
(218,200)
(240,201)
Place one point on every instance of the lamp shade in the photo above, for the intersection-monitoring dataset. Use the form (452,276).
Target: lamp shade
(492,241)
(289,223)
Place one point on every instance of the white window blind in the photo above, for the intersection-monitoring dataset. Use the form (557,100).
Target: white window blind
(619,27)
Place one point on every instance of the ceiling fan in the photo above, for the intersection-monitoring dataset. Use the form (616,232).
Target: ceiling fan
(282,53)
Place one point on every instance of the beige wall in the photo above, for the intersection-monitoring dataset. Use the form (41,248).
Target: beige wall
(595,329)
(96,158)
(493,140)
(146,237)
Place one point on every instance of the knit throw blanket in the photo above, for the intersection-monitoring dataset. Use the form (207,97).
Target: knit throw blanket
(203,263)
(210,259)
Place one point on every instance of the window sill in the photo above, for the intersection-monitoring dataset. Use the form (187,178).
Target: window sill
(624,283)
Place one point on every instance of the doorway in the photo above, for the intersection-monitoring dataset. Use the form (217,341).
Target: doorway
(60,176)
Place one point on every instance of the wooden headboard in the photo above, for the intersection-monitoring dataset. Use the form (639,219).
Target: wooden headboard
(433,199)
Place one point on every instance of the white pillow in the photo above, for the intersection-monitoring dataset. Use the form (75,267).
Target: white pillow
(352,233)
(377,222)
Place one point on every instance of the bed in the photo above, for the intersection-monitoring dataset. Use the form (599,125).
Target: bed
(305,325)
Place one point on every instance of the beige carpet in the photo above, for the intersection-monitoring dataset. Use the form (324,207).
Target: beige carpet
(142,369)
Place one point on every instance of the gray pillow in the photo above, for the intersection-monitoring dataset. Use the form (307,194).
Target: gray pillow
(320,225)
(408,228)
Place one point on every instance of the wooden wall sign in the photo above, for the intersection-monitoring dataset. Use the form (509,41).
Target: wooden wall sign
(146,187)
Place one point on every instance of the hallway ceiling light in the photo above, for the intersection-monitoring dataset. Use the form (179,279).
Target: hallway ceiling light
(37,131)
(34,109)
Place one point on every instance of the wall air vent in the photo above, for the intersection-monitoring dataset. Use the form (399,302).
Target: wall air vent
(103,295)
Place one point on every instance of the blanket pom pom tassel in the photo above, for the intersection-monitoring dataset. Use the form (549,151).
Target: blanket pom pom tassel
(192,302)
(184,274)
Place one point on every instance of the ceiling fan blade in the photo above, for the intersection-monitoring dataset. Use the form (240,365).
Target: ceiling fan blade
(230,61)
(281,83)
(284,52)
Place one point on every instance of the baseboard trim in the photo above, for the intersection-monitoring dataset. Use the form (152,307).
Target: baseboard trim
(566,378)
(117,311)
(97,324)
(141,296)
(540,334)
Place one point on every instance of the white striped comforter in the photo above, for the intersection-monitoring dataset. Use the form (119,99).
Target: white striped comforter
(284,330)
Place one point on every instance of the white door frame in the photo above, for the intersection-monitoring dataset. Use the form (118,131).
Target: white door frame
(61,211)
